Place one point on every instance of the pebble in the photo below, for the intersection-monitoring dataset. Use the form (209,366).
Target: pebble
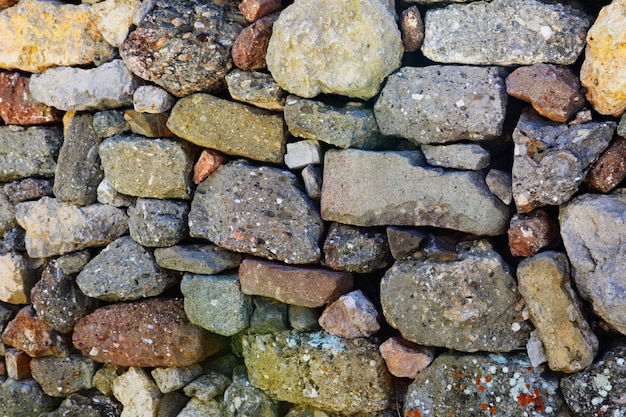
(253,10)
(74,262)
(197,259)
(355,249)
(312,178)
(109,123)
(17,105)
(250,47)
(304,319)
(610,168)
(242,398)
(60,377)
(104,378)
(209,161)
(198,408)
(17,364)
(207,386)
(28,152)
(500,184)
(24,398)
(532,232)
(158,223)
(14,239)
(405,359)
(403,241)
(152,99)
(148,124)
(352,315)
(412,29)
(302,153)
(7,213)
(457,156)
(256,88)
(172,379)
(107,195)
(28,189)
(17,278)
(86,404)
(269,316)
(138,393)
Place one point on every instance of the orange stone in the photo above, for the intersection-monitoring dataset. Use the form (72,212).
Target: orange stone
(209,161)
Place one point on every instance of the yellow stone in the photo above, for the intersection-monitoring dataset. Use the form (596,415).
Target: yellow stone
(40,34)
(113,18)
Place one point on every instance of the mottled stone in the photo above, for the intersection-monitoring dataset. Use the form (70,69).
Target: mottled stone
(28,189)
(269,316)
(255,9)
(60,377)
(412,29)
(86,404)
(152,99)
(17,105)
(542,32)
(250,47)
(107,195)
(38,35)
(109,123)
(266,215)
(138,393)
(405,359)
(14,239)
(197,259)
(312,178)
(172,404)
(233,128)
(338,48)
(439,104)
(184,46)
(17,364)
(148,124)
(158,223)
(256,88)
(34,336)
(172,379)
(208,386)
(104,378)
(355,249)
(551,159)
(198,408)
(500,184)
(7,3)
(403,241)
(302,153)
(304,319)
(531,232)
(74,262)
(458,156)
(352,315)
(610,168)
(16,278)
(304,286)
(7,213)
(153,332)
(28,152)
(467,304)
(114,18)
(415,195)
(24,398)
(151,168)
(242,399)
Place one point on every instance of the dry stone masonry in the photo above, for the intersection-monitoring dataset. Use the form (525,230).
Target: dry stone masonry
(312,208)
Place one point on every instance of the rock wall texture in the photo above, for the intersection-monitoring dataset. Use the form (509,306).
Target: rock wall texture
(312,208)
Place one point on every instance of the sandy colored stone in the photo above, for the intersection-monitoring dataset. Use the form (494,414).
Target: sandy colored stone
(138,393)
(17,363)
(405,359)
(17,105)
(16,278)
(114,18)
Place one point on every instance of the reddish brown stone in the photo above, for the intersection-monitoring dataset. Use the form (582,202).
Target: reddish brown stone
(405,359)
(152,125)
(31,334)
(412,29)
(552,90)
(250,47)
(352,315)
(255,9)
(209,161)
(303,286)
(153,332)
(18,107)
(531,232)
(610,169)
(17,364)
(7,3)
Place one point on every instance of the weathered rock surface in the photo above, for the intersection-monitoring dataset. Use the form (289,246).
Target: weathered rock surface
(255,9)
(138,393)
(24,398)
(17,105)
(158,223)
(405,359)
(531,232)
(107,195)
(269,316)
(500,184)
(74,262)
(250,47)
(172,379)
(256,88)
(197,259)
(152,99)
(28,189)
(30,152)
(468,304)
(86,404)
(110,123)
(415,195)
(457,156)
(412,29)
(33,335)
(303,153)
(17,278)
(17,363)
(266,214)
(355,249)
(242,398)
(208,162)
(207,386)
(7,213)
(148,124)
(338,48)
(352,315)
(610,168)
(60,377)
(403,241)
(114,18)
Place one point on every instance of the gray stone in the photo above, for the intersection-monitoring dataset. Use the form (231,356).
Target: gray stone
(158,223)
(24,399)
(7,213)
(458,156)
(28,152)
(107,195)
(355,249)
(151,168)
(16,278)
(551,159)
(266,214)
(60,377)
(78,170)
(197,259)
(171,379)
(123,271)
(152,99)
(541,32)
(403,241)
(440,104)
(86,404)
(269,316)
(199,408)
(109,123)
(208,386)
(312,178)
(302,153)
(108,86)
(256,88)
(73,263)
(350,126)
(242,399)
(500,184)
(172,404)
(338,48)
(468,304)
(216,303)
(28,189)
(224,364)
(14,239)
(55,228)
(484,384)
(535,350)
(304,319)
(621,127)
(415,195)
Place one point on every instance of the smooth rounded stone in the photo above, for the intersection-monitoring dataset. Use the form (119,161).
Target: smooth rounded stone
(471,385)
(114,18)
(542,32)
(197,259)
(304,319)
(265,214)
(123,271)
(415,195)
(184,46)
(250,47)
(158,223)
(229,127)
(208,162)
(199,408)
(338,48)
(28,189)
(73,263)
(216,303)
(109,123)
(58,301)
(152,99)
(412,29)
(28,152)
(172,379)
(440,104)
(207,386)
(24,398)
(38,35)
(403,241)
(269,316)
(150,168)
(603,68)
(312,178)
(555,311)
(108,86)
(17,278)
(86,404)
(17,105)
(500,184)
(242,399)
(302,153)
(550,159)
(531,232)
(148,333)
(107,195)
(592,227)
(599,389)
(33,335)
(319,370)
(457,156)
(405,359)
(468,304)
(610,168)
(255,9)
(256,88)
(138,393)
(355,249)
(60,377)
(352,315)
(350,126)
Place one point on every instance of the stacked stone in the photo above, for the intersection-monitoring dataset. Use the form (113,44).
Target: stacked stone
(243,209)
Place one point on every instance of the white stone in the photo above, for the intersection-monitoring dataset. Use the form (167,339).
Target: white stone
(113,18)
(138,393)
(312,177)
(152,99)
(107,195)
(303,153)
(171,379)
(535,350)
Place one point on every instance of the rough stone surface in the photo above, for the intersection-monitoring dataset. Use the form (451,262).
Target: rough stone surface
(500,184)
(338,48)
(28,189)
(73,263)
(439,104)
(172,379)
(467,304)
(152,99)
(28,152)
(243,399)
(269,316)
(17,105)
(107,195)
(14,239)
(531,232)
(16,278)
(197,259)
(312,178)
(302,153)
(550,159)
(60,377)
(266,214)
(7,213)
(610,168)
(355,249)
(405,359)
(319,370)
(256,88)
(54,228)
(184,46)
(207,386)
(403,241)
(541,32)
(304,286)
(148,124)
(152,332)
(151,168)
(412,29)
(114,18)
(198,408)
(233,128)
(250,47)
(352,315)
(255,9)
(354,180)
(209,161)
(86,404)
(30,333)
(104,378)
(138,393)
(108,86)
(458,156)
(17,364)
(158,223)
(304,319)
(109,123)
(24,398)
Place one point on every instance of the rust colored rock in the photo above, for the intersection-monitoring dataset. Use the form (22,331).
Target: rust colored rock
(303,286)
(209,161)
(531,232)
(552,90)
(18,107)
(405,359)
(34,336)
(411,29)
(153,332)
(7,3)
(610,169)
(17,364)
(353,315)
(253,10)
(152,125)
(250,47)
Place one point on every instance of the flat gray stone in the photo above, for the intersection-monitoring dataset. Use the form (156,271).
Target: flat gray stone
(256,88)
(197,259)
(24,398)
(415,195)
(483,33)
(304,319)
(60,377)
(500,183)
(74,262)
(172,379)
(199,408)
(440,104)
(28,152)
(158,223)
(457,156)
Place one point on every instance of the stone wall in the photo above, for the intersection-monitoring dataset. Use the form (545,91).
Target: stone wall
(312,209)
